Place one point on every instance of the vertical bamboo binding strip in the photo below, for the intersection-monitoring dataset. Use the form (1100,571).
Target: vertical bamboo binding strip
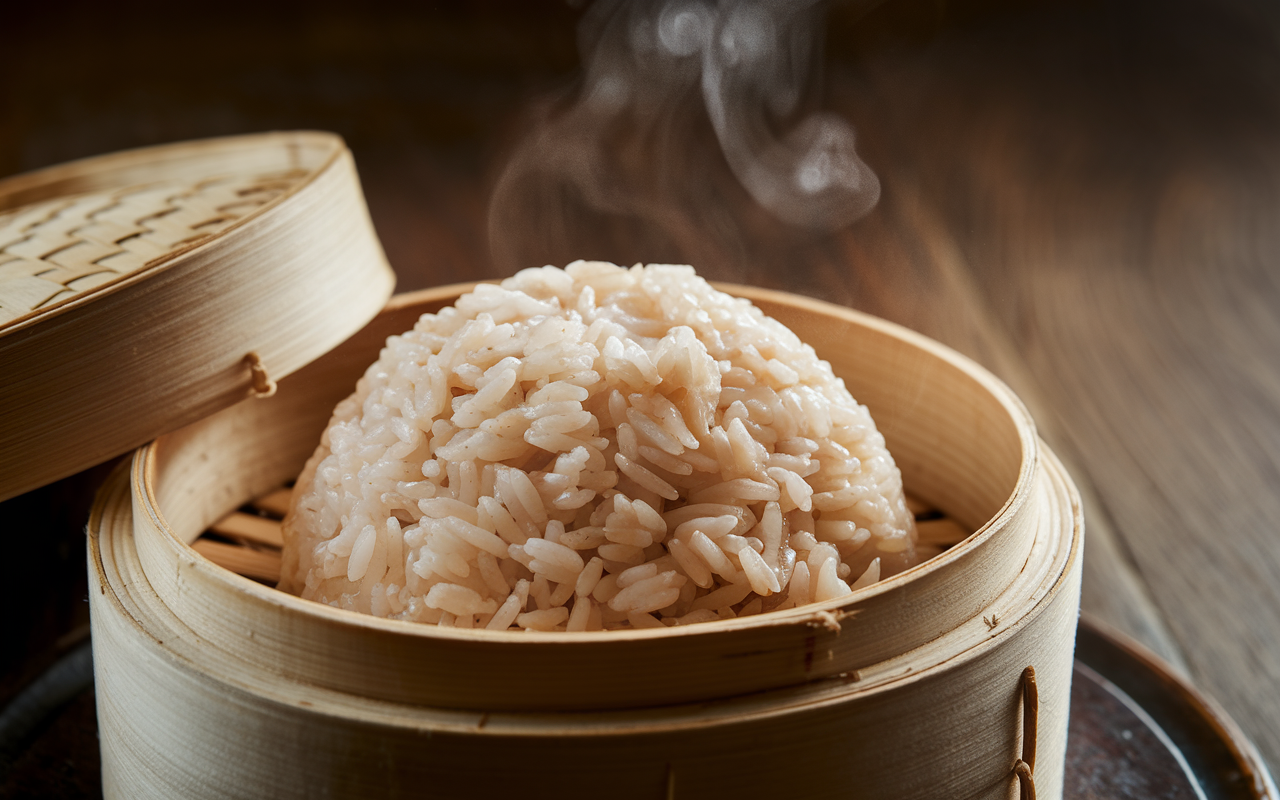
(1026,765)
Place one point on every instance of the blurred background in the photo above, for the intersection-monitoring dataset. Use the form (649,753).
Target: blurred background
(1083,196)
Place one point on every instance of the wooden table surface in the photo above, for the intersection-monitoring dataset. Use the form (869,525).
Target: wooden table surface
(1085,197)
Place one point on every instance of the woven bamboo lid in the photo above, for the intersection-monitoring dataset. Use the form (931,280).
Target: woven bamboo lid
(143,290)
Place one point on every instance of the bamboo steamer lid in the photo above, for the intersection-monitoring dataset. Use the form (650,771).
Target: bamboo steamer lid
(211,685)
(143,290)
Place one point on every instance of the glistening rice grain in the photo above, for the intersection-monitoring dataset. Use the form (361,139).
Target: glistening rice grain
(595,447)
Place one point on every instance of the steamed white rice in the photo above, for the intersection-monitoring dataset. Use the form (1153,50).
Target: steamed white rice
(595,448)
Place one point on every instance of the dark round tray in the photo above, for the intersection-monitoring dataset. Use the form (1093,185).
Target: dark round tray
(1137,731)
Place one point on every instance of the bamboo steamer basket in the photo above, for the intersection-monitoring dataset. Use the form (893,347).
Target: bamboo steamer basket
(950,680)
(143,290)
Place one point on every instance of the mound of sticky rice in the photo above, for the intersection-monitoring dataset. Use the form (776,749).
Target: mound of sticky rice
(595,448)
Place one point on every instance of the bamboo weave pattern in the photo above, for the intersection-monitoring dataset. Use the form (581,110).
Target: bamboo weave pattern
(53,251)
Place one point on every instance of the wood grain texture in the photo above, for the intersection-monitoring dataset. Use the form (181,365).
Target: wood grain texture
(1108,181)
(1102,175)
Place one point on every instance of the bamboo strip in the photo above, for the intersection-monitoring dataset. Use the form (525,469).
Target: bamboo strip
(258,565)
(275,504)
(943,532)
(249,528)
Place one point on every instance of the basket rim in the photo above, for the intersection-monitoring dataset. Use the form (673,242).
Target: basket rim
(144,479)
(701,715)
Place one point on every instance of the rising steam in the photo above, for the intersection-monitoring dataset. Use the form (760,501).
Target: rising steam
(756,59)
(617,145)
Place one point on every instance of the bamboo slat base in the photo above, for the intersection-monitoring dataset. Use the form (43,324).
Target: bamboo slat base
(248,541)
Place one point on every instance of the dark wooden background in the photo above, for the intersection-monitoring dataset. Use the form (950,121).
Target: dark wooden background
(1084,196)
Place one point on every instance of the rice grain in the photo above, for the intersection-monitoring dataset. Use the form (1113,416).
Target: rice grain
(595,448)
